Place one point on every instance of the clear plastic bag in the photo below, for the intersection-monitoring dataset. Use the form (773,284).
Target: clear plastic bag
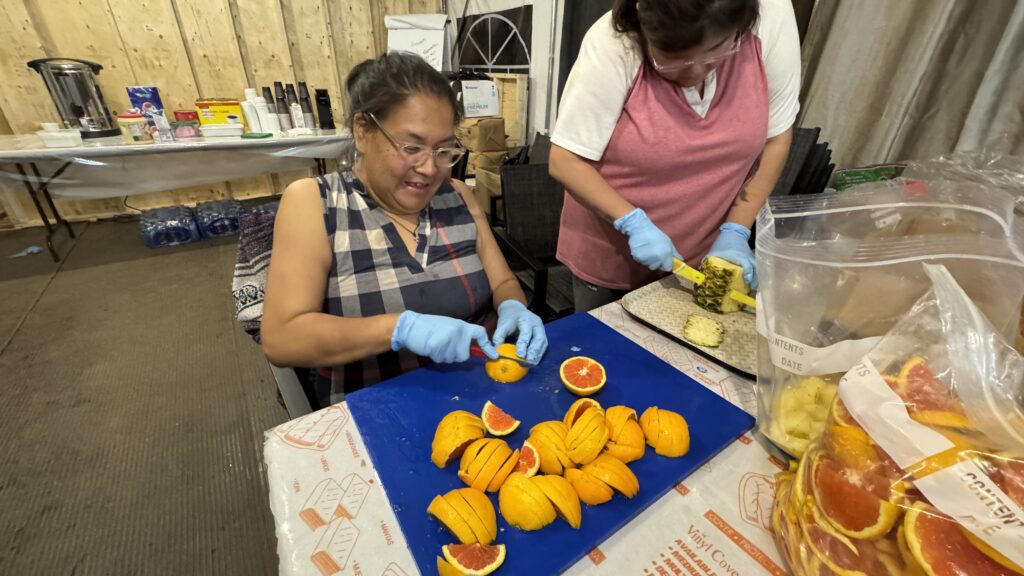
(921,467)
(838,270)
(984,168)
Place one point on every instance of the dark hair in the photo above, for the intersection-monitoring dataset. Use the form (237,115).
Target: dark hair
(674,25)
(377,85)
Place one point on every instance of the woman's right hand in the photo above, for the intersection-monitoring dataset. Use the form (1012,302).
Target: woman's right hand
(440,338)
(648,245)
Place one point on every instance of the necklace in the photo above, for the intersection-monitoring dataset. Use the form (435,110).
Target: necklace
(401,224)
(394,220)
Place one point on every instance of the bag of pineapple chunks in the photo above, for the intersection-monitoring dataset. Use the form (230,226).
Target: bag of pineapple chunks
(838,270)
(920,469)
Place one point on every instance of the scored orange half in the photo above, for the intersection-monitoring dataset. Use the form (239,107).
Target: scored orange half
(582,376)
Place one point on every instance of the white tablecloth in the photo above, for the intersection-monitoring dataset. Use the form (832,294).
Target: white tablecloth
(331,512)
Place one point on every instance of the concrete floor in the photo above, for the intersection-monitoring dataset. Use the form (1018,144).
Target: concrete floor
(133,410)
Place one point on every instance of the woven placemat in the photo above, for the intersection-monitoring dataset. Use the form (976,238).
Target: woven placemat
(665,305)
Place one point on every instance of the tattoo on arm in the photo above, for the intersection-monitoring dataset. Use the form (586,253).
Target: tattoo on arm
(742,198)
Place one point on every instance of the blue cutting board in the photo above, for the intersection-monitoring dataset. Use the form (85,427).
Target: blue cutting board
(397,419)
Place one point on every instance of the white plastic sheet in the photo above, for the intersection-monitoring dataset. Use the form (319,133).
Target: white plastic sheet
(108,168)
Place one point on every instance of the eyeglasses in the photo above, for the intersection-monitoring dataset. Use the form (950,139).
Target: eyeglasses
(677,65)
(415,154)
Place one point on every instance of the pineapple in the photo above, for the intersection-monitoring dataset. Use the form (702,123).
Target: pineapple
(721,276)
(801,413)
(703,331)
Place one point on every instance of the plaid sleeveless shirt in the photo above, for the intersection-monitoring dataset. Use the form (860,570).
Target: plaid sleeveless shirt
(373,273)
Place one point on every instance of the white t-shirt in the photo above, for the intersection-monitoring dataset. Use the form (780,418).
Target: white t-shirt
(609,61)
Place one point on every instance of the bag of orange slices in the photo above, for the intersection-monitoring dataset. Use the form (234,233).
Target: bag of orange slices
(838,271)
(920,469)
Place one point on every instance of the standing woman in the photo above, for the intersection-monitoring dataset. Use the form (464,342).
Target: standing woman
(673,128)
(378,270)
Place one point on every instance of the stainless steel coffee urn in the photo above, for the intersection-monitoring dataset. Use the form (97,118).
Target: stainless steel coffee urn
(77,95)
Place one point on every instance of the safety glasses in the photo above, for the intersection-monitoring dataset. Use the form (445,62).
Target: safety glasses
(416,154)
(704,61)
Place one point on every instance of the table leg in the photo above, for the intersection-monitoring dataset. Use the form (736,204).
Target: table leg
(45,189)
(321,166)
(39,208)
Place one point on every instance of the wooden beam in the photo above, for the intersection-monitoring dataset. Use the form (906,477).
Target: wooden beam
(152,39)
(5,126)
(214,54)
(263,41)
(350,25)
(259,28)
(396,7)
(425,7)
(24,100)
(307,23)
(379,32)
(86,29)
(217,66)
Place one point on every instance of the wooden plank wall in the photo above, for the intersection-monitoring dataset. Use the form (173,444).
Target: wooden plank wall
(188,48)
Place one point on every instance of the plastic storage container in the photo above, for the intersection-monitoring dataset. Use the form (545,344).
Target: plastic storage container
(168,226)
(134,128)
(186,115)
(219,130)
(185,129)
(53,137)
(185,125)
(218,218)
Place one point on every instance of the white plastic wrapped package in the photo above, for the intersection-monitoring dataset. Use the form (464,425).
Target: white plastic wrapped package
(921,468)
(838,270)
(108,168)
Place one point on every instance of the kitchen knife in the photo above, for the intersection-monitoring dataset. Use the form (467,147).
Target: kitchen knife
(475,350)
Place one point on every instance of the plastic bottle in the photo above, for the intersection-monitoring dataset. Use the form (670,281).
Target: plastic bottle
(252,119)
(296,114)
(307,106)
(263,114)
(283,115)
(323,109)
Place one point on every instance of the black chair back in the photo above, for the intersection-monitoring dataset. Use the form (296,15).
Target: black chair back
(533,208)
(459,170)
(540,150)
(804,140)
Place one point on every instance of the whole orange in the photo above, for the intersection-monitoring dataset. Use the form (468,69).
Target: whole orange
(504,370)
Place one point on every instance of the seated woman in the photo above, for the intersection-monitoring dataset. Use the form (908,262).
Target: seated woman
(378,269)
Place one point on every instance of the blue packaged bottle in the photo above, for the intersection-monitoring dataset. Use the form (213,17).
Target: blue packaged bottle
(168,226)
(218,218)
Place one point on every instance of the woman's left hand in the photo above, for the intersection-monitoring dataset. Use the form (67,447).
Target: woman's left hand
(732,245)
(514,317)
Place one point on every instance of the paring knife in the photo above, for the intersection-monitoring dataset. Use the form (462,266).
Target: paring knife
(475,350)
(697,277)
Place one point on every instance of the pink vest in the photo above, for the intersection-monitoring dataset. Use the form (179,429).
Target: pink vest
(683,170)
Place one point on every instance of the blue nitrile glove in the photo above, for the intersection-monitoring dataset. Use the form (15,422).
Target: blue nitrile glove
(732,245)
(514,317)
(440,338)
(647,244)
